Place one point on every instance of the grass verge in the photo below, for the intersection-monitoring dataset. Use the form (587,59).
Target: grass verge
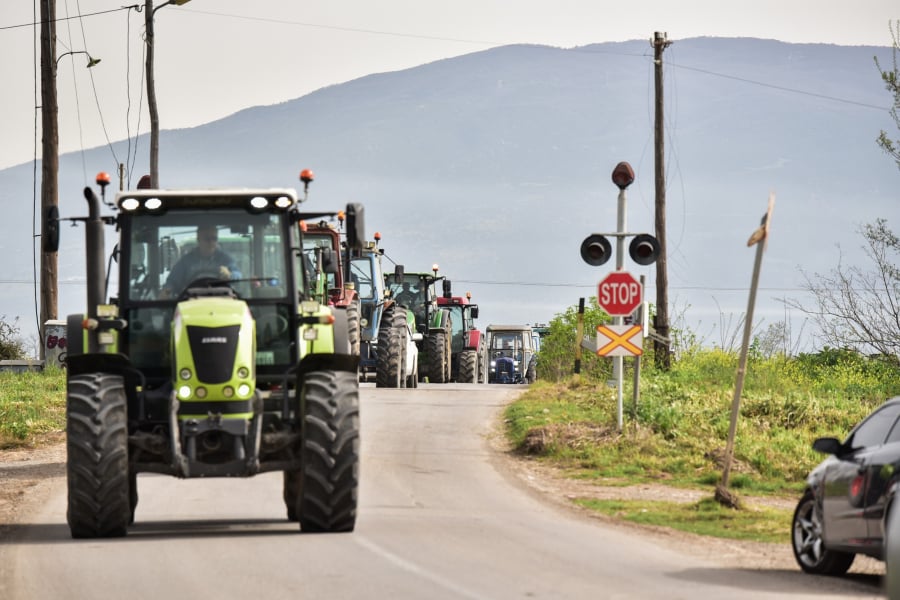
(32,406)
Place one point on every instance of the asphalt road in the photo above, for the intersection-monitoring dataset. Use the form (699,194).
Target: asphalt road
(437,520)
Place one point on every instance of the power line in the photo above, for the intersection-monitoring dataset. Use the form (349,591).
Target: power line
(93,14)
(777,87)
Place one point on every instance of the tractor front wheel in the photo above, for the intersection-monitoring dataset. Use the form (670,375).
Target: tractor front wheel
(99,483)
(436,353)
(325,490)
(353,326)
(468,367)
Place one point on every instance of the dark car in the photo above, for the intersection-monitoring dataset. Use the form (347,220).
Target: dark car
(844,510)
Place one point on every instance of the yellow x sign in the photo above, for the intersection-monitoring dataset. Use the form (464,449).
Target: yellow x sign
(620,340)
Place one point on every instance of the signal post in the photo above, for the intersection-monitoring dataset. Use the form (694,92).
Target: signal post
(619,293)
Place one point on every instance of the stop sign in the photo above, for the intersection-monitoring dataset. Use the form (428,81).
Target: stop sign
(619,293)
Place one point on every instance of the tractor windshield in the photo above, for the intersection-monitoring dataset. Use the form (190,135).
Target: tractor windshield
(163,255)
(167,253)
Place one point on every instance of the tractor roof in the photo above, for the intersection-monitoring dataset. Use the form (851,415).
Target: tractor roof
(255,200)
(454,301)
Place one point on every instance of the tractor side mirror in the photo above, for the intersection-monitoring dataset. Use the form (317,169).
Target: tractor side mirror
(398,274)
(329,261)
(475,312)
(447,288)
(356,229)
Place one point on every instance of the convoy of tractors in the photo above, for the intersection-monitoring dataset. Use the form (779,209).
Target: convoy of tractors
(235,344)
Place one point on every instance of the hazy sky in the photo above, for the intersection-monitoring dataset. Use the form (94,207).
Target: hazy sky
(215,57)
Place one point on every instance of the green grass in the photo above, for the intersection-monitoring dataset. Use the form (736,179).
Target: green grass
(678,433)
(32,407)
(706,517)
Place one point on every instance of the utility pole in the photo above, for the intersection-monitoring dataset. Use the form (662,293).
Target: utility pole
(49,164)
(149,13)
(661,323)
(151,97)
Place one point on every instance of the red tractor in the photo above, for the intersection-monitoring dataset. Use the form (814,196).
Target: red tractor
(467,348)
(326,263)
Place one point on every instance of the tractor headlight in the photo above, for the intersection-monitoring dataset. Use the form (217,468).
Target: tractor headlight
(185,373)
(201,392)
(243,390)
(184,392)
(228,391)
(243,372)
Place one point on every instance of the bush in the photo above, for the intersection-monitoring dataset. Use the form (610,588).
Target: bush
(11,345)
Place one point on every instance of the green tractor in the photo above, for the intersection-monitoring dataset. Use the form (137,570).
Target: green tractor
(212,359)
(416,291)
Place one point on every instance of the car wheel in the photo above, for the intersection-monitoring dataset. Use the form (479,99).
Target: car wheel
(809,545)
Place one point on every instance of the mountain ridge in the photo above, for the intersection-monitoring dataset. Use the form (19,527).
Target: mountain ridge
(496,164)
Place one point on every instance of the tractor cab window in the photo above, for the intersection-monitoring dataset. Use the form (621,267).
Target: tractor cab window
(409,292)
(314,248)
(361,275)
(507,344)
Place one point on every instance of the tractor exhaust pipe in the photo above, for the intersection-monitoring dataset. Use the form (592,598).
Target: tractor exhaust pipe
(95,270)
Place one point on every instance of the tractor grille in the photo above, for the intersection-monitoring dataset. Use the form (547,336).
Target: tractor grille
(213,349)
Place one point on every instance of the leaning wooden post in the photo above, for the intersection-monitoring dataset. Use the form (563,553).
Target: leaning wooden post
(759,238)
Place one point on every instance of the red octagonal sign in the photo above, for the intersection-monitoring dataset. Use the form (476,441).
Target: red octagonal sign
(619,293)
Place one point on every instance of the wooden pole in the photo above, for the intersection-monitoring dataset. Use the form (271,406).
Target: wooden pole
(49,164)
(661,323)
(758,238)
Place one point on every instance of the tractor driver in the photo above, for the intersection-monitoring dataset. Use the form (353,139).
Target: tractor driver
(408,297)
(206,260)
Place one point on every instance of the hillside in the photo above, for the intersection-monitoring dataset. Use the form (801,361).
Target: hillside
(497,164)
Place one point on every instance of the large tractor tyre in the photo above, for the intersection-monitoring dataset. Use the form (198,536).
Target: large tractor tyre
(100,498)
(468,367)
(391,349)
(436,352)
(353,326)
(325,490)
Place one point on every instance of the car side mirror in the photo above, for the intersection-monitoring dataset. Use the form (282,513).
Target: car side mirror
(827,445)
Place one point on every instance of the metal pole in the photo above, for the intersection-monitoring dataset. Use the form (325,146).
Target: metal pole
(621,219)
(579,334)
(636,391)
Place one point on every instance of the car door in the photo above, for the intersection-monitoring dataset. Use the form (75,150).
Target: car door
(882,473)
(848,478)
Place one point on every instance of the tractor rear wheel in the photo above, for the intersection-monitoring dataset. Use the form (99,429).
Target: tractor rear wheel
(468,367)
(99,494)
(325,489)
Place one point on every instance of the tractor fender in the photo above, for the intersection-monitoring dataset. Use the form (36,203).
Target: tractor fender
(473,339)
(440,320)
(340,359)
